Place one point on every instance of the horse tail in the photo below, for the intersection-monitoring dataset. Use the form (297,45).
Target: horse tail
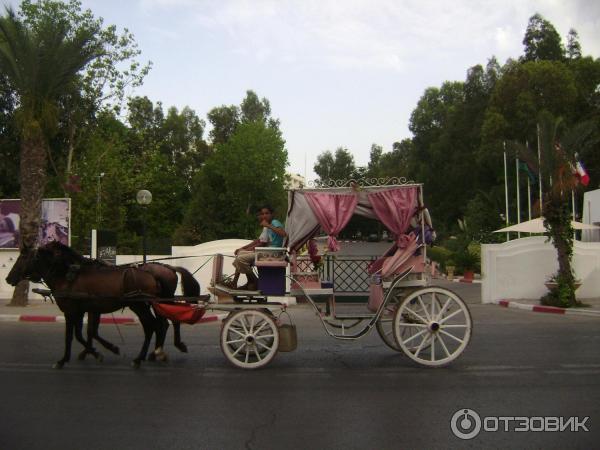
(190,287)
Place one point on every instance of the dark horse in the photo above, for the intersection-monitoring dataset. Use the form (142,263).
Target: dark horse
(82,285)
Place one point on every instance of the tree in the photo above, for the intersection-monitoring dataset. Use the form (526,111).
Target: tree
(41,63)
(542,41)
(573,45)
(241,175)
(338,166)
(558,146)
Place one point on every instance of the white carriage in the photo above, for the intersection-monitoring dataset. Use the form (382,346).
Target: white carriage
(430,324)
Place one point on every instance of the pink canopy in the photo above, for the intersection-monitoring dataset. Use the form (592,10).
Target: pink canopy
(395,207)
(333,212)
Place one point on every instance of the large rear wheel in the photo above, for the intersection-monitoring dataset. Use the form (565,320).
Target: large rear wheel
(432,326)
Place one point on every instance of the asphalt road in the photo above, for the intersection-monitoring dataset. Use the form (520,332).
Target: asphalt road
(328,394)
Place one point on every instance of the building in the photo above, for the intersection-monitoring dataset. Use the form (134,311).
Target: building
(294,181)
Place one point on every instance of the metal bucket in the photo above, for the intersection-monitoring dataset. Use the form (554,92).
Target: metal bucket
(288,338)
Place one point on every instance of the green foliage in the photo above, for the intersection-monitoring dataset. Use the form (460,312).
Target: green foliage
(338,166)
(542,41)
(244,173)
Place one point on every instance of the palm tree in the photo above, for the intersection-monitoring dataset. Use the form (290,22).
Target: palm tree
(41,61)
(558,147)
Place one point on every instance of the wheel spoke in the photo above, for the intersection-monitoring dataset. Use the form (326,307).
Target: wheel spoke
(420,347)
(264,336)
(236,341)
(252,323)
(451,336)
(238,350)
(236,331)
(458,311)
(257,355)
(247,355)
(243,322)
(417,315)
(432,347)
(433,301)
(456,326)
(266,347)
(413,325)
(260,328)
(424,308)
(416,335)
(443,310)
(443,344)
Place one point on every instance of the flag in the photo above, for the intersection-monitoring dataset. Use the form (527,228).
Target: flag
(581,173)
(525,168)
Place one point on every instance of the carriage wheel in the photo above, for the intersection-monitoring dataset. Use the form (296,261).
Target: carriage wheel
(385,324)
(249,339)
(432,326)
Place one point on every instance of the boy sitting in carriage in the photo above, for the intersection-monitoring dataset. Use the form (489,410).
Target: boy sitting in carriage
(272,236)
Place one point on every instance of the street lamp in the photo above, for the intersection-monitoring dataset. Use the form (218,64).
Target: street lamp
(98,200)
(144,198)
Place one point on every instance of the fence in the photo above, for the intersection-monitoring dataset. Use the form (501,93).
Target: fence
(348,273)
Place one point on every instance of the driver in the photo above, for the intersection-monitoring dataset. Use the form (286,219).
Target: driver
(272,235)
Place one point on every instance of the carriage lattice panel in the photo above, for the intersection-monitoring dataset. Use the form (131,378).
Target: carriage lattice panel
(350,274)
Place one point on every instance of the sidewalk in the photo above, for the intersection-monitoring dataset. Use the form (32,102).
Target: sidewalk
(591,310)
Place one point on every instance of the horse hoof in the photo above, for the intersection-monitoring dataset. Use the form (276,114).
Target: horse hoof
(162,357)
(182,347)
(58,365)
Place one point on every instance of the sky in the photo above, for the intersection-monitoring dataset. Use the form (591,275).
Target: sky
(337,73)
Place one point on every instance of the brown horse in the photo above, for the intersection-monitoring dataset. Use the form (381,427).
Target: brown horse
(167,276)
(81,285)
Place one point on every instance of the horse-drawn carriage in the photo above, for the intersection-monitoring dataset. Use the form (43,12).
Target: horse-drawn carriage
(429,324)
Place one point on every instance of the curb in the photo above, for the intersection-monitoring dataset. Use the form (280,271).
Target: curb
(547,309)
(111,320)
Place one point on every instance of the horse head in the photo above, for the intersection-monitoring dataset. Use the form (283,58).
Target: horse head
(48,261)
(24,268)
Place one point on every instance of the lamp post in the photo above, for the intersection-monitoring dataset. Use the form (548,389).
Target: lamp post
(98,200)
(144,198)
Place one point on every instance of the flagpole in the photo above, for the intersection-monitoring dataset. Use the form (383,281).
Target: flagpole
(518,197)
(540,170)
(528,188)
(506,191)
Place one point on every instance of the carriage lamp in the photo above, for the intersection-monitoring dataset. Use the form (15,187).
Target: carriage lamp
(144,198)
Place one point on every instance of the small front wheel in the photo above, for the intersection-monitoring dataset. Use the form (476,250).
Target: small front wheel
(249,339)
(432,326)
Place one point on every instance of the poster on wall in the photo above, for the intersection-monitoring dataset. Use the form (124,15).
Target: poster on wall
(55,226)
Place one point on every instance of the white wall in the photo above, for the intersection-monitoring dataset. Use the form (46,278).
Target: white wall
(201,257)
(518,269)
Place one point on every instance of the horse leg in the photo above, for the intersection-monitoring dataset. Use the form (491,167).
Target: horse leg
(177,337)
(149,324)
(69,325)
(89,343)
(162,325)
(95,321)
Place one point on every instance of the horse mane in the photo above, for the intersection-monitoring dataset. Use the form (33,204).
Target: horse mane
(70,256)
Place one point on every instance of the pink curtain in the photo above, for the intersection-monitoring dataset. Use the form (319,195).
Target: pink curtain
(333,211)
(394,208)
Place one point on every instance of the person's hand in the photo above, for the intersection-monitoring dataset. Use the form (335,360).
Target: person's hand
(264,223)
